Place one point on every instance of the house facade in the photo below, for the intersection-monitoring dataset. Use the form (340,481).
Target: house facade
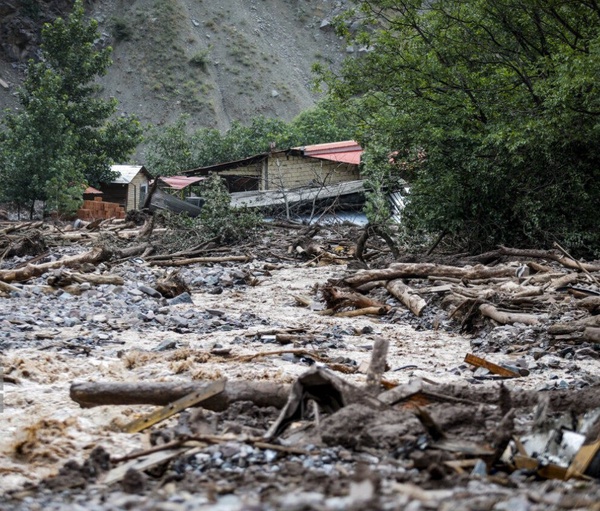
(129,188)
(298,167)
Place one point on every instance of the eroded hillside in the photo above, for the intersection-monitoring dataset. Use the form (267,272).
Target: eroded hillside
(219,61)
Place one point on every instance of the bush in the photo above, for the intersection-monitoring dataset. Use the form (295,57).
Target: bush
(219,219)
(121,30)
(200,59)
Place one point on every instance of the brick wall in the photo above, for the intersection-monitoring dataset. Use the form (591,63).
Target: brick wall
(296,171)
(283,171)
(98,209)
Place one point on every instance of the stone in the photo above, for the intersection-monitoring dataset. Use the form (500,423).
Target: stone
(180,299)
(150,291)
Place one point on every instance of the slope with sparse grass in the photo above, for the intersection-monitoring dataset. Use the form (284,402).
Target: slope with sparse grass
(217,61)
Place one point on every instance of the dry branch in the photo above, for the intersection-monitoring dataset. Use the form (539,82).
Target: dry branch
(337,298)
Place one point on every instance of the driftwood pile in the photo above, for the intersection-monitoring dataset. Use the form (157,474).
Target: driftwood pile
(536,288)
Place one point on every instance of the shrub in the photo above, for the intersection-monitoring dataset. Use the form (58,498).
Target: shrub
(121,30)
(200,59)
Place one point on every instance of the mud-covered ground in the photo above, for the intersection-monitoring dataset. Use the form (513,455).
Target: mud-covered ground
(56,455)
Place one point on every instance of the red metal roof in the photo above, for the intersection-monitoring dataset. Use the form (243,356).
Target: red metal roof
(347,151)
(180,182)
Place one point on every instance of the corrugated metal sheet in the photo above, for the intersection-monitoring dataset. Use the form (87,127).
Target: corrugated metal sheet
(180,182)
(126,173)
(164,201)
(347,151)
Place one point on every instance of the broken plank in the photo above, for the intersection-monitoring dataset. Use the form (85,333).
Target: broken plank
(490,366)
(547,471)
(177,406)
(582,459)
(141,464)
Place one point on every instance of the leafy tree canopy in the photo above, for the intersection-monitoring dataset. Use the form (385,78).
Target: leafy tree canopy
(64,135)
(490,109)
(172,149)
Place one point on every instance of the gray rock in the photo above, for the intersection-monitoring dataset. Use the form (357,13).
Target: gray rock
(150,291)
(167,344)
(182,298)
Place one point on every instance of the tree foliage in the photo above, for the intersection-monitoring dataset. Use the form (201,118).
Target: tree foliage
(501,99)
(172,149)
(64,134)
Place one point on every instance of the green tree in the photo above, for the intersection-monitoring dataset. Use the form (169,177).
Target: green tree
(174,148)
(170,148)
(64,134)
(502,100)
(327,121)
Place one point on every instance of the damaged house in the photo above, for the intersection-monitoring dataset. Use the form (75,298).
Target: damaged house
(297,175)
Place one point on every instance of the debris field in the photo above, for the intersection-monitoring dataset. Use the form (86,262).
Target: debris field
(296,371)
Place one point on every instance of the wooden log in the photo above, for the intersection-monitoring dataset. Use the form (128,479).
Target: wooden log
(199,260)
(369,286)
(579,325)
(96,255)
(425,270)
(507,318)
(376,311)
(90,394)
(567,262)
(591,303)
(377,366)
(337,298)
(407,296)
(592,334)
(66,278)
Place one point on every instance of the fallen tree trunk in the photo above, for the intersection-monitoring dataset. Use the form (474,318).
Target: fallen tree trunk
(96,255)
(91,394)
(195,260)
(407,296)
(592,334)
(567,262)
(424,270)
(574,326)
(507,318)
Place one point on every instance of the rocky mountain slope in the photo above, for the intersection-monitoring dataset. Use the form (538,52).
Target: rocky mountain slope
(219,61)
